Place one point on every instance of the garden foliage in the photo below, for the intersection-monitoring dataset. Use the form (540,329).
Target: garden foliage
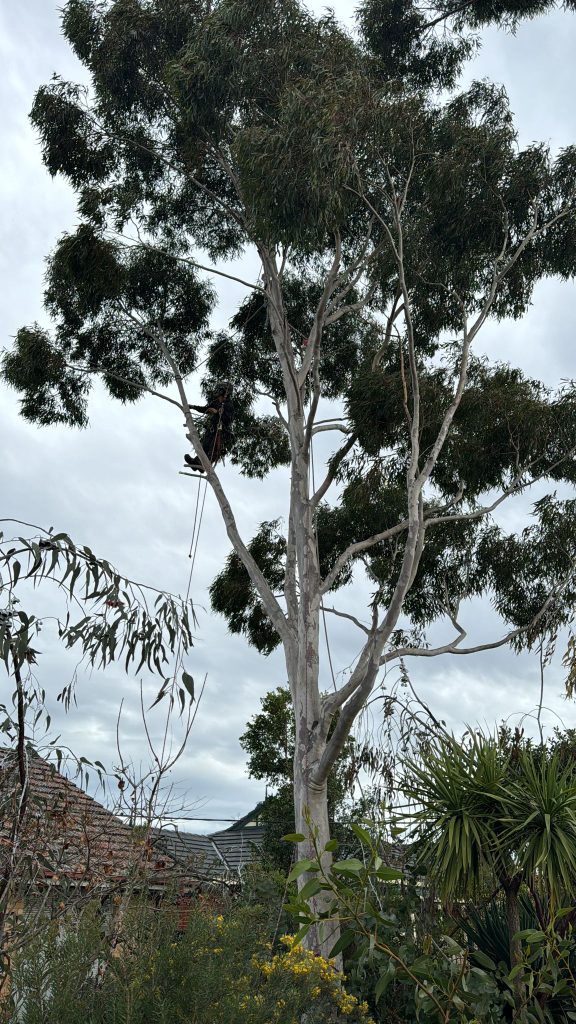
(226,966)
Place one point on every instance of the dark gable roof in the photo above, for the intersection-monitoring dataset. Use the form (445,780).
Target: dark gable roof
(194,853)
(239,847)
(221,854)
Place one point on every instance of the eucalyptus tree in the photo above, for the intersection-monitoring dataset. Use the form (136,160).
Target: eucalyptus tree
(392,217)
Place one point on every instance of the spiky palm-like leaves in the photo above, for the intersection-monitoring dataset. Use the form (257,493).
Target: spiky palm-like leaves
(484,816)
(537,815)
(455,789)
(487,929)
(483,813)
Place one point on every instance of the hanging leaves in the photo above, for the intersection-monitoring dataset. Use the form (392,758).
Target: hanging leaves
(188,683)
(117,624)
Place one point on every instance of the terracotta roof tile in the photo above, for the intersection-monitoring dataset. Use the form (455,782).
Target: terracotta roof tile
(69,834)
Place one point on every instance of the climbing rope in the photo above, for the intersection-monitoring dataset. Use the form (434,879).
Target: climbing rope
(216,447)
(326,637)
(192,541)
(196,532)
(196,528)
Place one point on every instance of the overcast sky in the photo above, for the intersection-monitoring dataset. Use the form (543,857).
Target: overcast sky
(115,486)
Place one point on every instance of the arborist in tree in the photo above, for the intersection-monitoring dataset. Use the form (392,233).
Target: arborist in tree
(217,438)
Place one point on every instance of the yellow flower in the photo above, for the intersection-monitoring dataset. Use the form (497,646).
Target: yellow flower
(346,1002)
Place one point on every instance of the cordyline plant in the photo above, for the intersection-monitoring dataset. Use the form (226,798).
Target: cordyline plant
(483,816)
(390,225)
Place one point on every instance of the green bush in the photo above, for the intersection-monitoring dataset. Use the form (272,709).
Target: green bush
(223,969)
(56,977)
(411,976)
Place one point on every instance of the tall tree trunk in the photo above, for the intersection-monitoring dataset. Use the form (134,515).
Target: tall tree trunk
(513,921)
(310,795)
(303,602)
(311,820)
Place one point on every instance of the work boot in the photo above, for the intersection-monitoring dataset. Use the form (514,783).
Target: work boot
(194,464)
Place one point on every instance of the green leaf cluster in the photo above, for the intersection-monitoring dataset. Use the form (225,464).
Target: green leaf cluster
(119,619)
(233,594)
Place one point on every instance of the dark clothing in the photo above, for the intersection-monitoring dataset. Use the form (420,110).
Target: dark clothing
(217,438)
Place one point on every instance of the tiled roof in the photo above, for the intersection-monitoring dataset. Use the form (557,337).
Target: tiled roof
(67,834)
(218,855)
(238,847)
(195,853)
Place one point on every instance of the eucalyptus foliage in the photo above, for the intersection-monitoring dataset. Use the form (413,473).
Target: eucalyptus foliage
(220,125)
(106,616)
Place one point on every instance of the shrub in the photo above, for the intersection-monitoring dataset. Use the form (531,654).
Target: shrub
(223,969)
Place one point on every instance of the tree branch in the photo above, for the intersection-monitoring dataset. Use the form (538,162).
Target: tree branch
(354,549)
(316,332)
(346,615)
(280,335)
(414,416)
(361,690)
(518,485)
(353,308)
(318,429)
(187,260)
(333,465)
(357,690)
(394,312)
(271,605)
(453,647)
(447,14)
(124,380)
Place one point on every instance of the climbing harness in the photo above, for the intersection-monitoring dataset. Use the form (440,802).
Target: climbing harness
(214,455)
(199,509)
